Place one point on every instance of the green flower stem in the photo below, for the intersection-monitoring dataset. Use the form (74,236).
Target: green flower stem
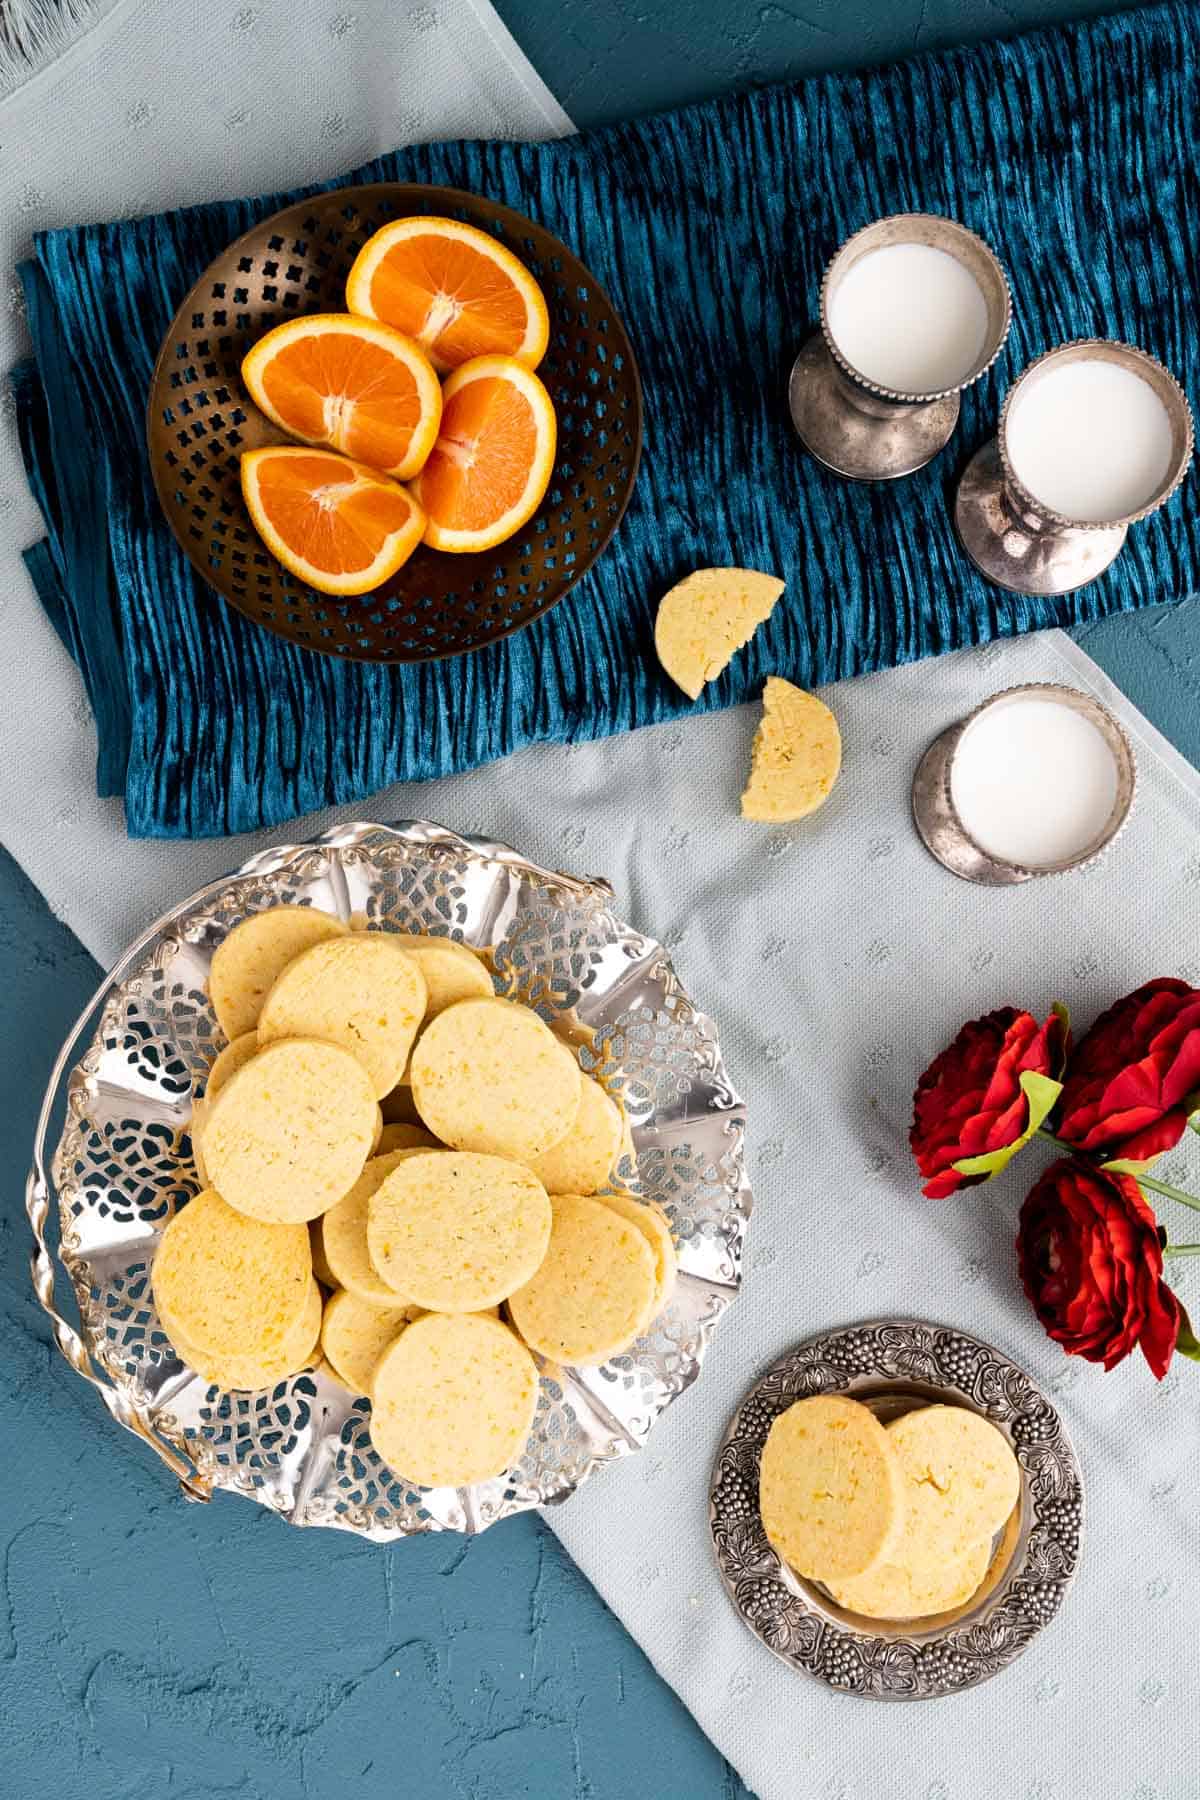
(1182,1250)
(1146,1181)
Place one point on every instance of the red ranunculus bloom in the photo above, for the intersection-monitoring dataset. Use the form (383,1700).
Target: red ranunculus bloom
(1091,1262)
(969,1101)
(1134,1077)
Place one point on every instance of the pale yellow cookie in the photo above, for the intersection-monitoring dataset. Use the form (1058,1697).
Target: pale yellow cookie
(796,755)
(344,1236)
(289,1133)
(355,1334)
(488,1075)
(359,991)
(405,1137)
(453,1400)
(706,618)
(594,1292)
(232,1285)
(240,1370)
(905,1588)
(456,1231)
(583,1161)
(651,1221)
(961,1480)
(228,1061)
(247,963)
(830,1489)
(452,971)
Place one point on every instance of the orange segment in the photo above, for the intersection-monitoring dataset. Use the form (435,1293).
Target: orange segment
(351,383)
(335,523)
(453,289)
(493,458)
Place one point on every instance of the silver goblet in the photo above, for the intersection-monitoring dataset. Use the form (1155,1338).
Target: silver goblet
(861,426)
(1018,540)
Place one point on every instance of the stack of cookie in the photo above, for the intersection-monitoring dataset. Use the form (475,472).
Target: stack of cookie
(381,1123)
(896,1522)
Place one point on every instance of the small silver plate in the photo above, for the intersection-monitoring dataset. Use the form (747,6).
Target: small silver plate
(123,1164)
(893,1365)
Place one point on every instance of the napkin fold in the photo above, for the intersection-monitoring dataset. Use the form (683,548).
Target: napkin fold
(1071,151)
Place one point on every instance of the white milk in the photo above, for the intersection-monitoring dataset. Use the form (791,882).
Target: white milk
(1033,782)
(910,317)
(1090,439)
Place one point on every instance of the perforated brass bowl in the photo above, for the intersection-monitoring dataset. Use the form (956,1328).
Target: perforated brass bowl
(200,419)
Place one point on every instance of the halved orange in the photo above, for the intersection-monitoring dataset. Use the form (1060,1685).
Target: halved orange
(493,458)
(354,384)
(454,289)
(336,524)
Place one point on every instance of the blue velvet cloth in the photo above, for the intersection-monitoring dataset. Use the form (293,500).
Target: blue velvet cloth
(1074,152)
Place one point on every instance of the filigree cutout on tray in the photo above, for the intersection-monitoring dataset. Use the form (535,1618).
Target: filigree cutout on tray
(124,1164)
(901,1662)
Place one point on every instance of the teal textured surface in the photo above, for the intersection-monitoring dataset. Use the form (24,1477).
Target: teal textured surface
(716,284)
(127,1619)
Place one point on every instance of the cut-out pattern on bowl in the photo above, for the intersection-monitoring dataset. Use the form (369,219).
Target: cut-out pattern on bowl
(123,1165)
(200,420)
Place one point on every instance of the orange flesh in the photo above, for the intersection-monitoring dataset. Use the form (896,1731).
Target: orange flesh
(480,465)
(445,294)
(307,383)
(334,523)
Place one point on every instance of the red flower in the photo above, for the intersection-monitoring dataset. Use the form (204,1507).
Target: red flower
(1090,1258)
(1135,1077)
(970,1101)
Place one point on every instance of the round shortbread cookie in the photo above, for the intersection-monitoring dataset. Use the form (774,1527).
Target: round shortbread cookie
(248,962)
(289,1133)
(904,1589)
(453,1400)
(359,991)
(344,1236)
(706,618)
(489,1076)
(452,971)
(583,1161)
(405,1137)
(830,1489)
(240,1372)
(457,1231)
(961,1480)
(652,1222)
(594,1291)
(355,1334)
(228,1061)
(232,1285)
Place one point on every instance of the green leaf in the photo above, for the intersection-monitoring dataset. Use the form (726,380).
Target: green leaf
(1042,1094)
(1062,1013)
(1187,1343)
(1125,1165)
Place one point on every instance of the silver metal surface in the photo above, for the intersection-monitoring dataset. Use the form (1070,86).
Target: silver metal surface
(894,1365)
(123,1164)
(858,427)
(1028,547)
(941,828)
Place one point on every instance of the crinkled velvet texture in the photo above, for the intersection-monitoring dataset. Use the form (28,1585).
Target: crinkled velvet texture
(1074,152)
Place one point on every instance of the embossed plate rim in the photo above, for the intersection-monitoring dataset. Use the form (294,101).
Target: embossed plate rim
(896,1663)
(647,1036)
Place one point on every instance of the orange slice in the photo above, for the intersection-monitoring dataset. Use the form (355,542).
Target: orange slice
(493,458)
(353,384)
(454,289)
(340,526)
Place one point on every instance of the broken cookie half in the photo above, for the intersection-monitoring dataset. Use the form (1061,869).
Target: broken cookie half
(796,756)
(706,618)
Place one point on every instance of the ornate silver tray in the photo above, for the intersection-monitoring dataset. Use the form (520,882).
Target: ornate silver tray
(124,1085)
(893,1365)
